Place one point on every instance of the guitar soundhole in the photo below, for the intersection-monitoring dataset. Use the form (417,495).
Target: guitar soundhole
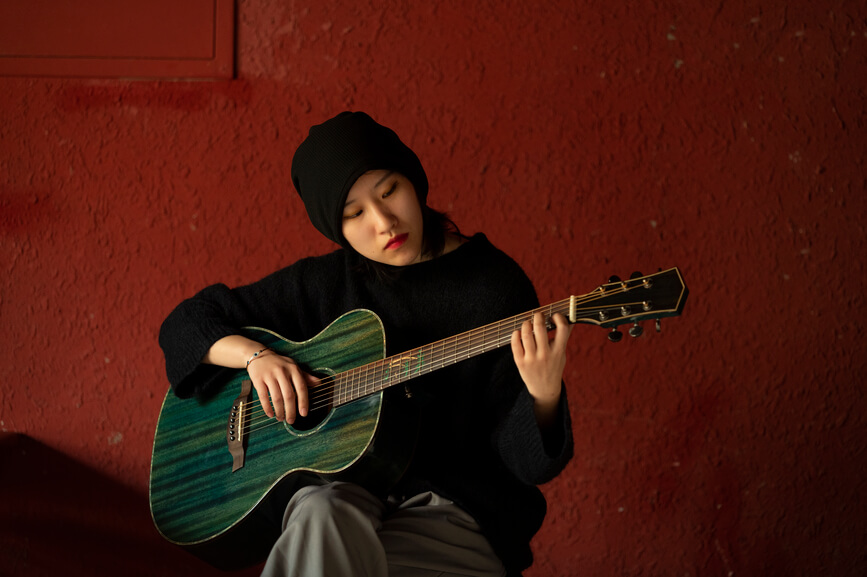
(320,401)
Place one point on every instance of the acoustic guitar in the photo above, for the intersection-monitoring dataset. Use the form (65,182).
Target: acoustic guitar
(221,470)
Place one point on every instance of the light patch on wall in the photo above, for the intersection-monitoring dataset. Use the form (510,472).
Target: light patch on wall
(115,438)
(726,558)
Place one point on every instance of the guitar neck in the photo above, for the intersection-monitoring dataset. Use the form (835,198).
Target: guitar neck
(379,375)
(639,298)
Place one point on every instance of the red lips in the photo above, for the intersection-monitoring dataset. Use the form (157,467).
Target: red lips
(396,242)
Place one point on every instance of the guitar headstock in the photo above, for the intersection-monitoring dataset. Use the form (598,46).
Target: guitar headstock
(640,298)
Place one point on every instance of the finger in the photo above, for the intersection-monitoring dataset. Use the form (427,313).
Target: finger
(267,387)
(299,382)
(540,331)
(527,338)
(275,390)
(262,391)
(283,397)
(517,347)
(564,329)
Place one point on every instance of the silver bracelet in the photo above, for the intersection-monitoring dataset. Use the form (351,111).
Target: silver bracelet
(256,356)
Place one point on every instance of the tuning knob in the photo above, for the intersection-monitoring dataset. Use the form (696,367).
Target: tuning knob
(613,278)
(636,275)
(636,330)
(614,336)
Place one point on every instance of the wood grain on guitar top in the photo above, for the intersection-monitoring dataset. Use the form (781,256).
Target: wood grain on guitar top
(194,494)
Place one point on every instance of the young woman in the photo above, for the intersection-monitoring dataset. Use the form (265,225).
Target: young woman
(491,428)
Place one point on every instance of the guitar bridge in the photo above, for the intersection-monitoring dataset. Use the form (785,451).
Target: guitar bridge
(235,428)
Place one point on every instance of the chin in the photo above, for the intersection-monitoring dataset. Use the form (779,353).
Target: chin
(404,260)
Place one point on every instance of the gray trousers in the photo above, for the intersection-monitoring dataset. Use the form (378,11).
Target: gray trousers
(341,530)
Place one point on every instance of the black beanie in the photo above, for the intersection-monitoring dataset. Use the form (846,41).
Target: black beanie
(335,154)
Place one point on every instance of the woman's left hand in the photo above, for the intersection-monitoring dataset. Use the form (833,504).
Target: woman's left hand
(541,361)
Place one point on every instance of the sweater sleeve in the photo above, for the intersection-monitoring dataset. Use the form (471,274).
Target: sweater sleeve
(280,302)
(533,457)
(191,329)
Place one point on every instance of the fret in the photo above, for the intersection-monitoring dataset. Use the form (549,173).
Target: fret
(365,377)
(381,376)
(375,376)
(453,357)
(425,368)
(502,327)
(359,389)
(372,376)
(346,387)
(460,350)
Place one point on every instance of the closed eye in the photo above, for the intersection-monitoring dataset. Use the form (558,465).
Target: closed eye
(391,190)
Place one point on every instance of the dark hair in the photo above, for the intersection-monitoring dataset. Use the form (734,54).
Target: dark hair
(436,225)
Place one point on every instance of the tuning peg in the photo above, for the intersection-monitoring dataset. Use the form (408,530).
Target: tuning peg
(636,330)
(635,275)
(614,278)
(658,325)
(614,336)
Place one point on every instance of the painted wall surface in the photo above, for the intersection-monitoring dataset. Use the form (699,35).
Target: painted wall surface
(586,138)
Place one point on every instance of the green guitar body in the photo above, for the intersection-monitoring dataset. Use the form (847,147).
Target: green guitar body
(231,519)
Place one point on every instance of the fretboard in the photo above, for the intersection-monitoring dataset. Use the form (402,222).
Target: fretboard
(379,375)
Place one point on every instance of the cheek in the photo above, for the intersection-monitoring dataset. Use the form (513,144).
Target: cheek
(350,233)
(411,210)
(353,232)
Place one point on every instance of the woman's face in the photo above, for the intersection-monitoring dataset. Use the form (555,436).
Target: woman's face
(382,218)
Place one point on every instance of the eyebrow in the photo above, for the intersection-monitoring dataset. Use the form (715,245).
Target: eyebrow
(375,186)
(383,179)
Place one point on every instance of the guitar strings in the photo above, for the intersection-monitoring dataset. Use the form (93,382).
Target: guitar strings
(326,396)
(322,394)
(444,352)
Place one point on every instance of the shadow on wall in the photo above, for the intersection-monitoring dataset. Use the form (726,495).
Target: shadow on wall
(60,517)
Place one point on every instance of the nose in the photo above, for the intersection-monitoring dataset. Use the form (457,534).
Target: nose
(384,218)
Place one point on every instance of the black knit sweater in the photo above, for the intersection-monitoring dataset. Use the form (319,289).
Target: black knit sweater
(479,444)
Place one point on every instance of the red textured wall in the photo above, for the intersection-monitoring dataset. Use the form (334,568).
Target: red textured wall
(586,138)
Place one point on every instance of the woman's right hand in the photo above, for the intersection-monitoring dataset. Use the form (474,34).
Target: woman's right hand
(279,378)
(281,385)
